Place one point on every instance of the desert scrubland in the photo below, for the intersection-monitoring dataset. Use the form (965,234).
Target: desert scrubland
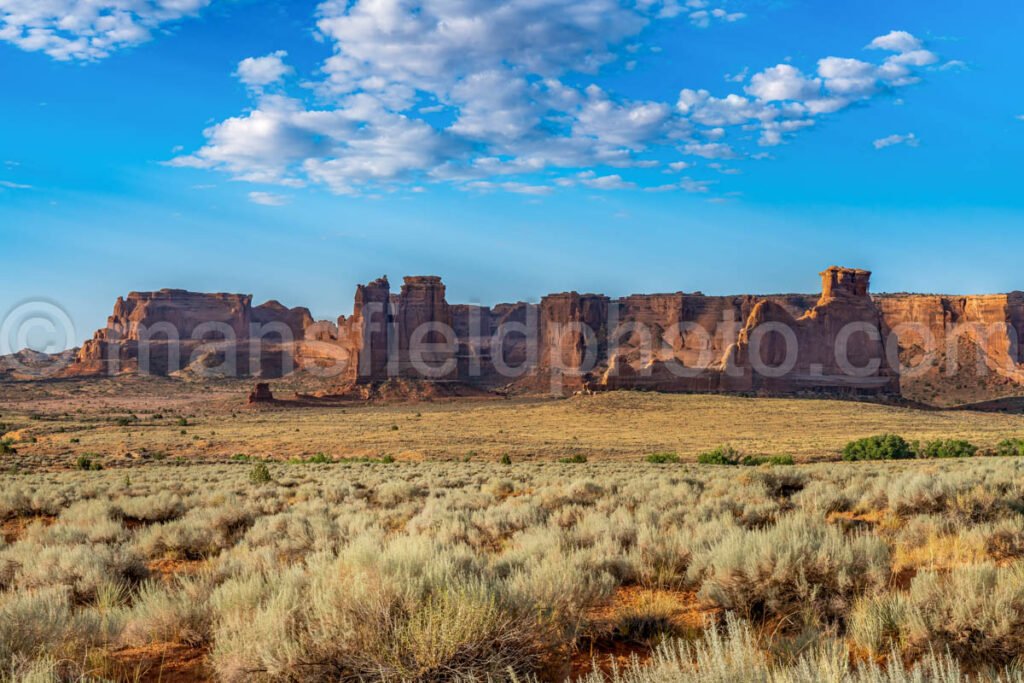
(161,531)
(631,571)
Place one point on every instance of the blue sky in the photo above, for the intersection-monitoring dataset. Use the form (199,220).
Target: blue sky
(293,149)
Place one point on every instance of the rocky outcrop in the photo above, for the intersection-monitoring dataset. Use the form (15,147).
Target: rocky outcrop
(957,349)
(932,348)
(173,330)
(261,394)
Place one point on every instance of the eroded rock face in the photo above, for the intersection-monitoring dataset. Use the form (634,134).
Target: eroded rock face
(957,349)
(174,330)
(844,340)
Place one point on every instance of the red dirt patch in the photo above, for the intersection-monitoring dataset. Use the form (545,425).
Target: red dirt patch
(609,641)
(168,568)
(13,529)
(163,663)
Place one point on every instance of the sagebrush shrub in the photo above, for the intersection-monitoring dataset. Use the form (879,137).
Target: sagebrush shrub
(799,564)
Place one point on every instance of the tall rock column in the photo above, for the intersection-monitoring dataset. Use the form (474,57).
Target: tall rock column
(370,332)
(423,327)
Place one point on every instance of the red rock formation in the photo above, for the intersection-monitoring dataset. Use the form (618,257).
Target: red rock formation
(261,394)
(928,347)
(170,330)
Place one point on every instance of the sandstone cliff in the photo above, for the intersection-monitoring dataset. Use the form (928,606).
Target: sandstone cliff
(173,331)
(931,348)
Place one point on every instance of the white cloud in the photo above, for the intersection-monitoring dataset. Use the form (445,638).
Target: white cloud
(421,91)
(909,140)
(14,186)
(514,187)
(259,72)
(87,29)
(783,82)
(267,199)
(895,41)
(596,182)
(686,185)
(1020,117)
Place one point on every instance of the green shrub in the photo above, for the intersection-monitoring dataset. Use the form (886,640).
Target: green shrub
(949,448)
(573,460)
(87,464)
(260,474)
(884,447)
(727,455)
(723,455)
(7,447)
(506,459)
(182,422)
(1010,447)
(663,458)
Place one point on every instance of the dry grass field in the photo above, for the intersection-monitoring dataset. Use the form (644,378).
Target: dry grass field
(122,422)
(594,572)
(162,532)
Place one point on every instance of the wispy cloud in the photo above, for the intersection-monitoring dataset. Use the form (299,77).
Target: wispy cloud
(14,186)
(268,199)
(910,140)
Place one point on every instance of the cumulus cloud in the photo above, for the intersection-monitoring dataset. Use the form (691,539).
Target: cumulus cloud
(783,82)
(267,199)
(420,91)
(910,140)
(87,30)
(259,72)
(895,41)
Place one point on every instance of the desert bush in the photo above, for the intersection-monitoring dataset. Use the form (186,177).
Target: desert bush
(87,464)
(729,456)
(947,448)
(7,447)
(1010,447)
(799,564)
(663,458)
(169,614)
(159,507)
(260,474)
(973,612)
(41,633)
(577,459)
(404,613)
(723,455)
(884,447)
(201,533)
(82,568)
(735,656)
